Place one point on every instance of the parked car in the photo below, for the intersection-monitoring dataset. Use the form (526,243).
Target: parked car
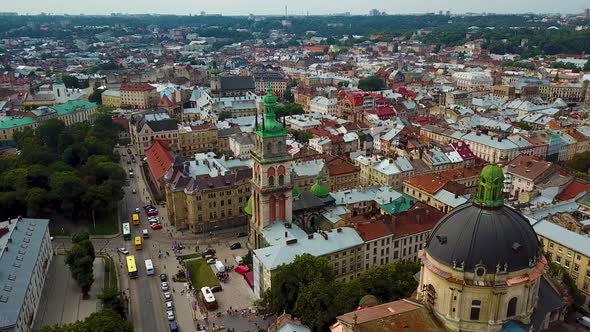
(133,191)
(242,234)
(165,287)
(235,246)
(170,315)
(152,213)
(148,207)
(124,251)
(211,261)
(167,296)
(216,289)
(209,251)
(136,210)
(128,162)
(169,306)
(155,227)
(163,277)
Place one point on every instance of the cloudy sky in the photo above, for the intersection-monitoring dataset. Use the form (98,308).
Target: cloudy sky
(244,7)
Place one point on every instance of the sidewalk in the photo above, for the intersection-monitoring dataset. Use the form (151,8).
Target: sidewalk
(61,300)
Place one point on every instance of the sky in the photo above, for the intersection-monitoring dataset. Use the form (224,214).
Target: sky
(274,7)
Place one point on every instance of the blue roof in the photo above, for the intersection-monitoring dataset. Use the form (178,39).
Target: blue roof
(18,264)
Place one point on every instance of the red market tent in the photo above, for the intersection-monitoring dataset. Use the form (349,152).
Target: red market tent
(249,276)
(242,269)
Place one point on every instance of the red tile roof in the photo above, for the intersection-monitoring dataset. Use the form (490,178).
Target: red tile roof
(463,150)
(137,87)
(121,121)
(338,166)
(159,158)
(433,182)
(529,167)
(573,190)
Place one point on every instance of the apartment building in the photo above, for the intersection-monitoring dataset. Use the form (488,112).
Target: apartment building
(277,80)
(25,256)
(569,249)
(342,247)
(341,175)
(10,125)
(139,96)
(524,172)
(390,238)
(111,98)
(76,111)
(201,202)
(569,92)
(196,138)
(491,149)
(377,170)
(473,81)
(151,125)
(323,105)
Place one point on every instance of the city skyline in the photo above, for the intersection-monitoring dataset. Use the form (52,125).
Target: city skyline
(267,7)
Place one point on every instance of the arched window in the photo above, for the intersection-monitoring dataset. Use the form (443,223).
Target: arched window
(271,176)
(279,147)
(281,180)
(271,180)
(475,308)
(511,311)
(269,147)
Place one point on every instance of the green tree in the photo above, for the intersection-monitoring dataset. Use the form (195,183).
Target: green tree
(580,162)
(37,198)
(96,96)
(80,260)
(587,66)
(48,133)
(315,304)
(71,82)
(224,115)
(111,298)
(69,188)
(302,136)
(288,97)
(371,83)
(289,109)
(391,281)
(289,279)
(105,320)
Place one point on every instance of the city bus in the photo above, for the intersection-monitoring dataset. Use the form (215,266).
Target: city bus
(135,218)
(138,243)
(208,298)
(126,231)
(149,267)
(131,268)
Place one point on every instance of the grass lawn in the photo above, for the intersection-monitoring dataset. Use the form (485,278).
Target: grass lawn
(201,274)
(190,256)
(108,225)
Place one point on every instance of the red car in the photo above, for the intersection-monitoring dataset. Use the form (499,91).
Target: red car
(155,227)
(152,213)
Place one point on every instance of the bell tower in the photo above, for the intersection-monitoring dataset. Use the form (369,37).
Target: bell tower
(271,184)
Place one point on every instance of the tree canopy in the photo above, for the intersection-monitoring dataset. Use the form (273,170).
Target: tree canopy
(371,83)
(63,170)
(80,260)
(105,320)
(307,289)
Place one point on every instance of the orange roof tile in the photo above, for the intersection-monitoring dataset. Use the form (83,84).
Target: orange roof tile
(159,158)
(573,190)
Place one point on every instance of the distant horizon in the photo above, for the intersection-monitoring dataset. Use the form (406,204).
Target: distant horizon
(294,8)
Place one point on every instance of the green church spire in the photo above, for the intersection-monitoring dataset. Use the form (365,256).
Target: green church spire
(270,127)
(490,187)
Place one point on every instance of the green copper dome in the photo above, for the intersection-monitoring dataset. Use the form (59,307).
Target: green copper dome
(490,187)
(248,208)
(270,127)
(319,189)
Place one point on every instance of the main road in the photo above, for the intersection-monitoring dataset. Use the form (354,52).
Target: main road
(146,299)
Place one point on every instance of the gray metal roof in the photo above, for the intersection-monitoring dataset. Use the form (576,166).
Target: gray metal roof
(472,235)
(18,259)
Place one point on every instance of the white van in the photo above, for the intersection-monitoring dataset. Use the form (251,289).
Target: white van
(239,260)
(584,321)
(219,266)
(145,233)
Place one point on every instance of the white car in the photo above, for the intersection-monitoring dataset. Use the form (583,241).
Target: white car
(211,261)
(124,251)
(169,306)
(167,296)
(165,287)
(170,315)
(136,210)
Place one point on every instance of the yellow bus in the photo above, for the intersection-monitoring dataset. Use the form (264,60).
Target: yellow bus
(131,268)
(135,219)
(138,243)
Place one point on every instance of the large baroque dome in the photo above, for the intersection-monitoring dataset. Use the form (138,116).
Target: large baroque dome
(485,236)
